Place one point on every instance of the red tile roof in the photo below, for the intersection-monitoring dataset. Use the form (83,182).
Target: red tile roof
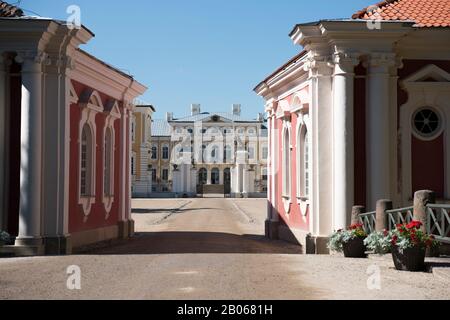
(9,11)
(426,13)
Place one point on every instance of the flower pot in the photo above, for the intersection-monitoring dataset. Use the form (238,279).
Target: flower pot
(355,248)
(411,259)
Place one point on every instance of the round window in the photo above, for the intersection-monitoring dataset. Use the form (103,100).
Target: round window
(426,122)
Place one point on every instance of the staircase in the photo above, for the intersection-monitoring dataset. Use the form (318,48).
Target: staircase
(214,191)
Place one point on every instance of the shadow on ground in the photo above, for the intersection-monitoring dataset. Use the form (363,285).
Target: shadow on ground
(145,211)
(194,243)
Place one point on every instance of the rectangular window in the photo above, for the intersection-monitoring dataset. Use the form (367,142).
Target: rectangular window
(153,175)
(165,174)
(154,153)
(165,153)
(132,166)
(265,153)
(251,153)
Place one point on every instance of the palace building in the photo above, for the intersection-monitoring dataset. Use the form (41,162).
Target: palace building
(219,153)
(141,136)
(65,140)
(362,113)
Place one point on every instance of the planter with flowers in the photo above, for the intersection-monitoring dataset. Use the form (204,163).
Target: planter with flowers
(350,241)
(4,238)
(409,245)
(378,242)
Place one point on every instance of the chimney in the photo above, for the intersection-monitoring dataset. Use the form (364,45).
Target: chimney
(236,109)
(169,116)
(195,109)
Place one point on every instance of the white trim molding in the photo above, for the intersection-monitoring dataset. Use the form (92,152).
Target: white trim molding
(90,104)
(432,94)
(112,112)
(303,128)
(286,164)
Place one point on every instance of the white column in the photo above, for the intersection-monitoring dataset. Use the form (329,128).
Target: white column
(56,153)
(273,150)
(269,164)
(245,181)
(31,150)
(321,137)
(209,176)
(378,129)
(343,143)
(193,187)
(128,157)
(124,163)
(2,141)
(221,180)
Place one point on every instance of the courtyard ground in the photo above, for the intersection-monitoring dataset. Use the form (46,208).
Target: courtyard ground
(209,249)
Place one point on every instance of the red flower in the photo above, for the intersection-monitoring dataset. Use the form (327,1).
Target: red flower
(385,233)
(394,240)
(356,226)
(414,238)
(414,225)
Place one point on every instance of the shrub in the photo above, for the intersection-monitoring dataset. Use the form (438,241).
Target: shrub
(338,238)
(378,242)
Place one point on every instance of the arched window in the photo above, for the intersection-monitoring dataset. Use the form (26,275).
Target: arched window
(303,163)
(306,165)
(215,153)
(286,164)
(165,152)
(108,164)
(86,165)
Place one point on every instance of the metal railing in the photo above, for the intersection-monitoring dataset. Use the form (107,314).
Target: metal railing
(438,221)
(368,220)
(399,216)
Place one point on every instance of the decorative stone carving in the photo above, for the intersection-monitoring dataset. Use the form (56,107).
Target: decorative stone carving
(344,62)
(318,65)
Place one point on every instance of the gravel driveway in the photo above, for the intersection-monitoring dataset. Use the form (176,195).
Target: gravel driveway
(208,249)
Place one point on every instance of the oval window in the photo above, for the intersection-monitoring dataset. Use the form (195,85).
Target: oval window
(426,122)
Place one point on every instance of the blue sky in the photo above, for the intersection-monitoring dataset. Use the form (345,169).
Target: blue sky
(196,51)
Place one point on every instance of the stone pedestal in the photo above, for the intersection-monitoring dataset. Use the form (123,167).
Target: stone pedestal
(381,216)
(356,212)
(421,200)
